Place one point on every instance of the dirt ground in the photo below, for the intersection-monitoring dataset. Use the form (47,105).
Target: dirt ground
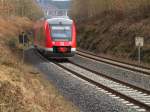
(22,87)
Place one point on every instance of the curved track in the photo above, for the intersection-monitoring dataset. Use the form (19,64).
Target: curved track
(130,95)
(132,67)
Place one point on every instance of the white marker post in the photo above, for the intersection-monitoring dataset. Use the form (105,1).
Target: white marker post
(139,42)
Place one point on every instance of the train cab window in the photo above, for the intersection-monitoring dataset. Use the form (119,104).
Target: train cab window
(63,32)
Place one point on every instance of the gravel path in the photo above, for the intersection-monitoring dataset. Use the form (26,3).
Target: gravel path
(135,78)
(87,97)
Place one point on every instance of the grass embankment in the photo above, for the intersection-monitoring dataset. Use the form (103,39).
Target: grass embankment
(110,27)
(22,88)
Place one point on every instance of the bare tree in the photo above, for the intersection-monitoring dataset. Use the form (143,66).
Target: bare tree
(28,8)
(91,8)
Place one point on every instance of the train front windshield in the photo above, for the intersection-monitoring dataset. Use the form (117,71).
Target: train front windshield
(62,33)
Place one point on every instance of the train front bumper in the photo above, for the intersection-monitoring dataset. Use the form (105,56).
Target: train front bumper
(50,52)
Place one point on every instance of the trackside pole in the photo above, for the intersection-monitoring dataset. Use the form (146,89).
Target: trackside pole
(139,42)
(139,55)
(23,51)
(23,39)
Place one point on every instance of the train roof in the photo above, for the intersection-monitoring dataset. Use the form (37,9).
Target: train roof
(59,20)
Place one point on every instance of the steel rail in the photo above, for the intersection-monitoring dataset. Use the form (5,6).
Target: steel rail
(123,96)
(127,66)
(99,85)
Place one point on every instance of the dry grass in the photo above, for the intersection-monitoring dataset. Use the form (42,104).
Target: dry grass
(22,88)
(111,26)
(120,8)
(109,37)
(13,26)
(24,8)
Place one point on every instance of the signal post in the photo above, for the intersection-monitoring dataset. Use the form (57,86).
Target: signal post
(139,42)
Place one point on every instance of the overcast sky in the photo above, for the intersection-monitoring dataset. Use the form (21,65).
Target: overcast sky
(60,0)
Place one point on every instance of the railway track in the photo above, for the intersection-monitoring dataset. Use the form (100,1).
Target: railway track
(132,96)
(132,67)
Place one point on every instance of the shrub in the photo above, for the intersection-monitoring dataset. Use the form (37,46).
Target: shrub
(92,8)
(28,8)
(12,43)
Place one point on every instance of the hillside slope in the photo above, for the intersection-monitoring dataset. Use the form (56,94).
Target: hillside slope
(115,38)
(22,88)
(110,27)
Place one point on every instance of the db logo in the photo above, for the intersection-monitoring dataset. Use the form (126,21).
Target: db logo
(62,43)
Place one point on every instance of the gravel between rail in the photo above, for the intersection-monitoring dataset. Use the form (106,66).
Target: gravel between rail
(135,78)
(87,97)
(132,96)
(139,67)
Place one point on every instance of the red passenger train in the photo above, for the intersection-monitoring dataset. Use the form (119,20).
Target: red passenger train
(55,37)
